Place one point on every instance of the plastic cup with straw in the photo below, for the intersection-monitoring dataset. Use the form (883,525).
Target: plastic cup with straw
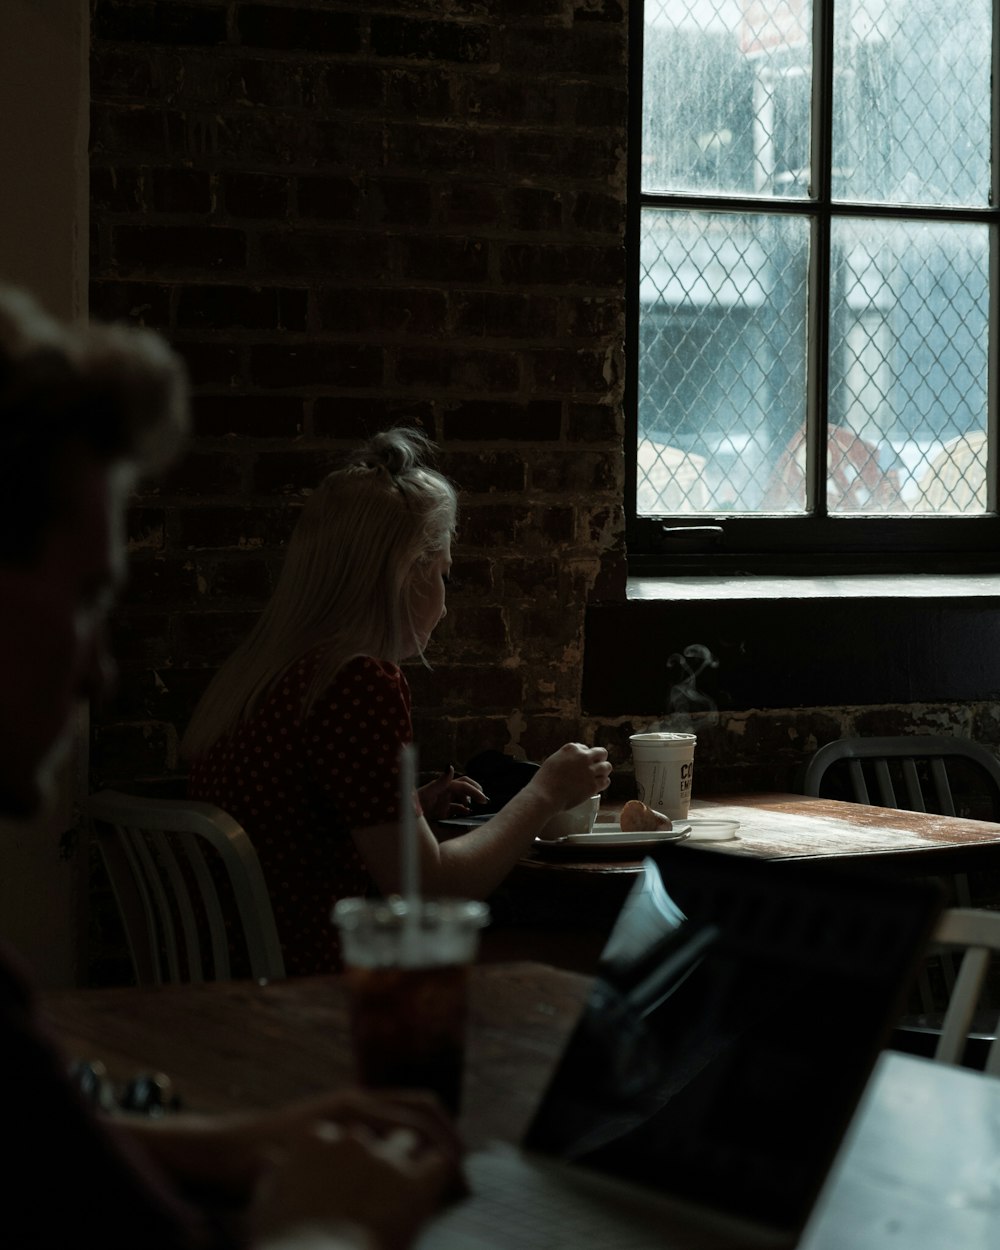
(406,961)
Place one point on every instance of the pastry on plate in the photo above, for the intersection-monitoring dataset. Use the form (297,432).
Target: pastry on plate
(636,817)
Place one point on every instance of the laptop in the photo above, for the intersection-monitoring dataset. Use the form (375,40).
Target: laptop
(736,1014)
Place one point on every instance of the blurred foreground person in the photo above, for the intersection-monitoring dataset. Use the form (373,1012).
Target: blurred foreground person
(82,412)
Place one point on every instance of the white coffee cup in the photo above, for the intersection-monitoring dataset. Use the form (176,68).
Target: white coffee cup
(578,819)
(664,766)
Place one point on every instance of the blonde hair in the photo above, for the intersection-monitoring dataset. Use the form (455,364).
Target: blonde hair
(346,583)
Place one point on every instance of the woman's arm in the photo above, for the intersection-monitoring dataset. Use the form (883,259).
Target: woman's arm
(473,864)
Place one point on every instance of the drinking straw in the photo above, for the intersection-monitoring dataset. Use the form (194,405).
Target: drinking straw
(409,867)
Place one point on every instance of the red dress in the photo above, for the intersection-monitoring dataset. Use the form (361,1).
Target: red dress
(298,787)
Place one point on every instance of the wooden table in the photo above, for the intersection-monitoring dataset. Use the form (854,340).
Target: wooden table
(233,1045)
(561,910)
(920,1167)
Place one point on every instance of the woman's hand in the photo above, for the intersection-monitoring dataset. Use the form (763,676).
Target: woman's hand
(573,773)
(449,795)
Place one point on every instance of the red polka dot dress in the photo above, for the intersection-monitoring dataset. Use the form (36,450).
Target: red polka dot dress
(300,787)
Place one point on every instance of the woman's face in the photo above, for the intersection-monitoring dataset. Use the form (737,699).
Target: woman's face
(427,595)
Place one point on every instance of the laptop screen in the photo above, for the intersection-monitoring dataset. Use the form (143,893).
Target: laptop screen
(736,1015)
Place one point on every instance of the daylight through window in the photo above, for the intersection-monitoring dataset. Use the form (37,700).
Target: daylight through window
(814,265)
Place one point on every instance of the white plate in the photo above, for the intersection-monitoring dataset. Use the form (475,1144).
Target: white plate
(610,837)
(709,830)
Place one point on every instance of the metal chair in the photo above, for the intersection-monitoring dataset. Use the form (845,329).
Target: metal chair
(914,772)
(918,772)
(179,870)
(979,932)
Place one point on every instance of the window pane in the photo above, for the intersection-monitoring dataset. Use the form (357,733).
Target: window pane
(912,101)
(908,352)
(721,360)
(726,96)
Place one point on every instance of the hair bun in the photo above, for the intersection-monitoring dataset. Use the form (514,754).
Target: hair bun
(397,451)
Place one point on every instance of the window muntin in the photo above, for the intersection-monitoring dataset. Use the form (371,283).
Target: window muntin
(858,308)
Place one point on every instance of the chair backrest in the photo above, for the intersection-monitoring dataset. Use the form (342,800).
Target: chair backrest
(978,931)
(915,771)
(178,870)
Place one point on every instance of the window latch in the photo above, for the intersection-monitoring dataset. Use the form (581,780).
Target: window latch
(696,536)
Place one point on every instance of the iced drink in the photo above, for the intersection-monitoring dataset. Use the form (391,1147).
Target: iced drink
(406,968)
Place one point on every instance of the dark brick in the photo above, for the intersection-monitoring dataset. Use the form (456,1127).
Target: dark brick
(249,308)
(181,191)
(600,105)
(315,364)
(470,628)
(284,473)
(599,213)
(400,201)
(158,21)
(471,204)
(203,473)
(137,134)
(146,528)
(572,371)
(573,472)
(377,311)
(305,30)
(486,687)
(352,85)
(478,371)
(604,11)
(491,526)
(537,420)
(528,578)
(554,525)
(507,101)
(556,157)
(357,419)
(207,638)
(161,581)
(256,195)
(211,364)
(208,528)
(138,303)
(434,259)
(501,314)
(595,318)
(533,264)
(593,423)
(595,52)
(247,416)
(440,149)
(116,73)
(425,93)
(431,41)
(329,198)
(254,80)
(117,190)
(246,580)
(486,472)
(309,253)
(138,638)
(534,208)
(179,249)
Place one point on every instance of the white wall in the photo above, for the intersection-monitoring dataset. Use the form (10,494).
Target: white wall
(44,98)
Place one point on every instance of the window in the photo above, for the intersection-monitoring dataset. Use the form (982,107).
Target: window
(814,281)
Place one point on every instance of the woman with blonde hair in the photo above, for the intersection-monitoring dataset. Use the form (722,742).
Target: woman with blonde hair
(298,736)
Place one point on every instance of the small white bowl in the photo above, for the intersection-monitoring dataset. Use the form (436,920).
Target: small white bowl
(578,819)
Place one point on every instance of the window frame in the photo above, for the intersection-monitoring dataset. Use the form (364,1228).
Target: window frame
(815,541)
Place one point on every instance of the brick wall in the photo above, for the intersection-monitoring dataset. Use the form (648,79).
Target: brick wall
(344,215)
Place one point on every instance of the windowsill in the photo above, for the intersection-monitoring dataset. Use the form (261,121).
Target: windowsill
(858,586)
